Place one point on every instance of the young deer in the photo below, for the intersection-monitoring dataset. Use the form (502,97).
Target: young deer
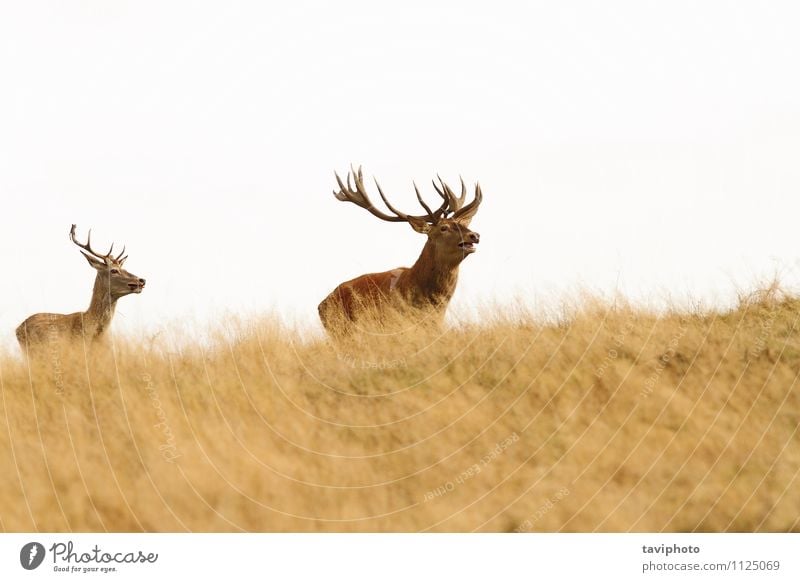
(432,280)
(111,283)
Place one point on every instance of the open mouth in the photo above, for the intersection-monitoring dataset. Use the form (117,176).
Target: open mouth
(136,288)
(467,247)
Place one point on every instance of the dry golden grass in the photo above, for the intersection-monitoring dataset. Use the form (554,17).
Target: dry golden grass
(609,419)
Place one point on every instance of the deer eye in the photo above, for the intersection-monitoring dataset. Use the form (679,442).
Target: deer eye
(115,271)
(444,228)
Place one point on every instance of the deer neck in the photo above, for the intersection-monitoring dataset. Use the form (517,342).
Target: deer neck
(433,280)
(101,309)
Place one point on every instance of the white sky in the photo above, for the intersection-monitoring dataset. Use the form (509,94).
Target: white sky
(650,147)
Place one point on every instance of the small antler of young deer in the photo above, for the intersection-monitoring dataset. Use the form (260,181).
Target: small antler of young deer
(88,248)
(357,194)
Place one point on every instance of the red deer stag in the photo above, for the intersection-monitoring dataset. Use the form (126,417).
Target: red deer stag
(111,283)
(432,280)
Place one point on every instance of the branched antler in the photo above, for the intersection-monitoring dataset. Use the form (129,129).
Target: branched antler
(357,194)
(106,258)
(455,204)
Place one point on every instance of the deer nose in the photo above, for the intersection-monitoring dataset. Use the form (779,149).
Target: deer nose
(142,282)
(474,237)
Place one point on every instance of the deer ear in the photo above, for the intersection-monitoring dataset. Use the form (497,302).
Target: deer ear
(94,263)
(420,226)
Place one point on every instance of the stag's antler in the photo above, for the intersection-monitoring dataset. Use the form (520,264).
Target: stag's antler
(88,248)
(470,209)
(358,195)
(455,204)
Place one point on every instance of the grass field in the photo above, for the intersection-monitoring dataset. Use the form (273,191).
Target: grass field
(605,418)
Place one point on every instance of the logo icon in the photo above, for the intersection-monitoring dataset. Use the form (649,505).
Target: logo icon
(31,555)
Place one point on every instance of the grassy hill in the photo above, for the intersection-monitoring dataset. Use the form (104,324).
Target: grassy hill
(608,419)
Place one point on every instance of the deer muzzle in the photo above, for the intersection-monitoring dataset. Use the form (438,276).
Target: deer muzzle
(469,242)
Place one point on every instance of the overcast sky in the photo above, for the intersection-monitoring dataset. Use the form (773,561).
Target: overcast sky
(647,147)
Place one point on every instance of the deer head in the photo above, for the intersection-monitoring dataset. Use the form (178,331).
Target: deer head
(447,227)
(117,281)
